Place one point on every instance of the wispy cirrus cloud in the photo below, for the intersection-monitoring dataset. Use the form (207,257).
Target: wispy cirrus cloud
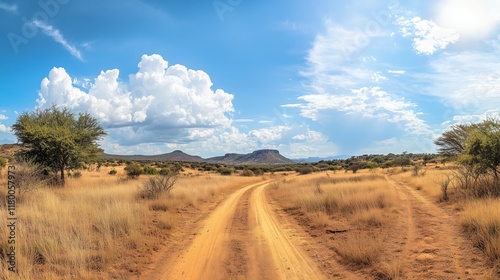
(331,58)
(396,72)
(50,31)
(8,7)
(471,90)
(342,81)
(372,103)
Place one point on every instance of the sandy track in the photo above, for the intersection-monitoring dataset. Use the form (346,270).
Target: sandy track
(432,246)
(241,239)
(290,261)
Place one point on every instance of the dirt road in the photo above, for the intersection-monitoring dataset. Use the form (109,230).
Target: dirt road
(246,237)
(429,242)
(242,239)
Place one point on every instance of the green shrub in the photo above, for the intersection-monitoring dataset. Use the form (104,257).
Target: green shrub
(371,165)
(112,172)
(258,172)
(134,170)
(305,170)
(209,168)
(225,171)
(248,173)
(149,170)
(164,171)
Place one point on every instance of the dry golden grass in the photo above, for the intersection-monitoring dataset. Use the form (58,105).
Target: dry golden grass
(361,201)
(360,249)
(89,228)
(430,183)
(73,231)
(345,195)
(481,219)
(393,270)
(319,219)
(370,219)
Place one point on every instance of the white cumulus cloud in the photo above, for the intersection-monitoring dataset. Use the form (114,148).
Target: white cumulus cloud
(159,103)
(428,37)
(3,128)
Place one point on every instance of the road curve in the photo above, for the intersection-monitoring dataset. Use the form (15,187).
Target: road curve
(242,239)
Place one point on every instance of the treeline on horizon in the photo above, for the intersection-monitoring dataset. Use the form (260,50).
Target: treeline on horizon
(352,164)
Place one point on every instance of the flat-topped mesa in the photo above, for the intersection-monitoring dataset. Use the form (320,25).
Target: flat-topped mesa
(258,157)
(266,151)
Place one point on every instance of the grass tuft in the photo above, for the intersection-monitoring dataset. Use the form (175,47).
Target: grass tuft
(481,219)
(361,249)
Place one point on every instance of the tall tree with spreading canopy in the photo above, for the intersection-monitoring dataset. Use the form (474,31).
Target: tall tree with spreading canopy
(452,142)
(477,148)
(57,139)
(483,147)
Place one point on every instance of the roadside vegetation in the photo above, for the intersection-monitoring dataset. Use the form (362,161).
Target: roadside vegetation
(471,182)
(358,210)
(100,226)
(58,140)
(476,181)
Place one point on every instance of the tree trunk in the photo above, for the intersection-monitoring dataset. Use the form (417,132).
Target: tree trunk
(62,174)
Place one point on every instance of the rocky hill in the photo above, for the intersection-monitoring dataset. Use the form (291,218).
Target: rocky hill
(173,156)
(259,157)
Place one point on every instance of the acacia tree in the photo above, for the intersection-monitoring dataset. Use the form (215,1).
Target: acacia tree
(57,139)
(452,142)
(477,147)
(483,147)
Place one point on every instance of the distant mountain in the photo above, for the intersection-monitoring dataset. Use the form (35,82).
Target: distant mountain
(259,157)
(317,159)
(173,156)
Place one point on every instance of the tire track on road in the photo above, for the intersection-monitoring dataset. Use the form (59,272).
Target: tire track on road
(433,247)
(290,261)
(242,239)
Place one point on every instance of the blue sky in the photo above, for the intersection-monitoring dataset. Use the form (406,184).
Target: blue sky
(210,77)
